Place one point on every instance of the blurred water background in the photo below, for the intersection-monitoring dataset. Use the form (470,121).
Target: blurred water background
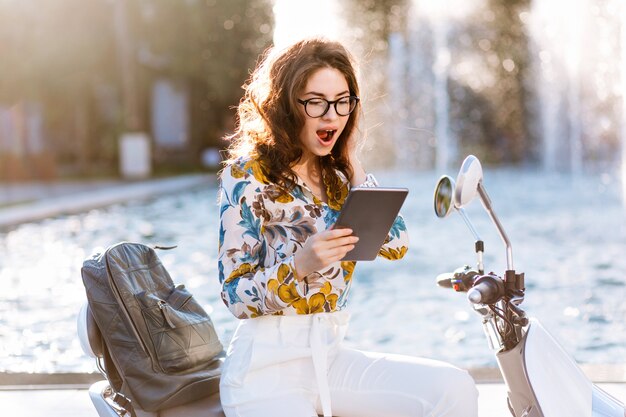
(536,89)
(567,236)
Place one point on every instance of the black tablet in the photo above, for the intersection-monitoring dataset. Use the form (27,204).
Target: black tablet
(370,213)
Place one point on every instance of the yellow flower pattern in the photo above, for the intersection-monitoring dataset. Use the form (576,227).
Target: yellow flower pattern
(335,191)
(348,269)
(263,225)
(393,253)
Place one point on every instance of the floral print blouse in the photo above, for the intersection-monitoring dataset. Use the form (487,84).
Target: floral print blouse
(262,226)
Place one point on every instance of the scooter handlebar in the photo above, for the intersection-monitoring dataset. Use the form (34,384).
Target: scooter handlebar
(487,289)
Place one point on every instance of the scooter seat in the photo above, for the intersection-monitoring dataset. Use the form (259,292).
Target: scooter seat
(88,333)
(100,394)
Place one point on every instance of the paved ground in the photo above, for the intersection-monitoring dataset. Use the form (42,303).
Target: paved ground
(71,402)
(26,202)
(76,402)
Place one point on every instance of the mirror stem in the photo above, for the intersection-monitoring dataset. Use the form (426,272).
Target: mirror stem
(468,223)
(484,198)
(479,241)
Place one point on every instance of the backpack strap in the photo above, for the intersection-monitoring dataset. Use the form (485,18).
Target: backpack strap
(121,403)
(124,404)
(161,247)
(110,370)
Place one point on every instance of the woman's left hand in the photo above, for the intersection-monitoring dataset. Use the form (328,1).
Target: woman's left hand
(322,249)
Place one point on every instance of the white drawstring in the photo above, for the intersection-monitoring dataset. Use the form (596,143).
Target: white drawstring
(324,324)
(319,353)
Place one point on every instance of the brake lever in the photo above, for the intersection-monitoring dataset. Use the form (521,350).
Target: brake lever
(520,315)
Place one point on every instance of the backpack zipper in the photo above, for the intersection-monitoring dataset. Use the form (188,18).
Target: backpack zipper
(163,306)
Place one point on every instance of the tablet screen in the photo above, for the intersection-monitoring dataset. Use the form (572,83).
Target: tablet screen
(370,213)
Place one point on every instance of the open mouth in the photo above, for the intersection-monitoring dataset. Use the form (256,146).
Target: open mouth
(326,136)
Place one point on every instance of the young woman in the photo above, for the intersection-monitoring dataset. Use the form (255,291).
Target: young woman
(292,163)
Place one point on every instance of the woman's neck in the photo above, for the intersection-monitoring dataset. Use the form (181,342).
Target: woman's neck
(308,166)
(309,171)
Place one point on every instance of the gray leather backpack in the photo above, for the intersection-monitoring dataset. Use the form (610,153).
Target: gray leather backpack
(160,347)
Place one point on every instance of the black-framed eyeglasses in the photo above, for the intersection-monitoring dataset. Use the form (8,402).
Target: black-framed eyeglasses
(318,107)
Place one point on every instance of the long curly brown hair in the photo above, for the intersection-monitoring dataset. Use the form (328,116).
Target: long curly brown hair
(269,120)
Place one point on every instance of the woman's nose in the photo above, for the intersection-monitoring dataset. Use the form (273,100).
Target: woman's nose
(331,114)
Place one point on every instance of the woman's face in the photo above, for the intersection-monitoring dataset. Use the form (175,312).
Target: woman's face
(319,134)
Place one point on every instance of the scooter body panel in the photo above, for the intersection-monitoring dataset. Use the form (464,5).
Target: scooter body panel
(604,405)
(521,398)
(544,381)
(560,386)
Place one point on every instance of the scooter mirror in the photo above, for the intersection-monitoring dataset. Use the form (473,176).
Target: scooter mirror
(470,175)
(444,196)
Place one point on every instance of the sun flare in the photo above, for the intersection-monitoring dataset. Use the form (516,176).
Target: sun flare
(297,19)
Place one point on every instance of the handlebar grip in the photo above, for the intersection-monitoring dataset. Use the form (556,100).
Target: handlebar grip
(487,289)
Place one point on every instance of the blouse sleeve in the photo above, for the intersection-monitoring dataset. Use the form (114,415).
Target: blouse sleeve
(248,288)
(397,241)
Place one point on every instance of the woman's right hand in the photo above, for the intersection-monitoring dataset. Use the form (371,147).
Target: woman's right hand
(322,249)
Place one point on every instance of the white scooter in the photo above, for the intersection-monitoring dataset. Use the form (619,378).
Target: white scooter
(542,380)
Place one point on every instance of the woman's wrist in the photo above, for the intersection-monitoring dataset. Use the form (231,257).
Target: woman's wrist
(297,273)
(359,175)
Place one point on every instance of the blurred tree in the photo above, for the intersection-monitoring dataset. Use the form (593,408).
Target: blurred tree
(64,55)
(495,120)
(211,46)
(368,26)
(53,53)
(371,22)
(510,98)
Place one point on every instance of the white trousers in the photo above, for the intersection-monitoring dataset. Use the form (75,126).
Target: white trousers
(295,366)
